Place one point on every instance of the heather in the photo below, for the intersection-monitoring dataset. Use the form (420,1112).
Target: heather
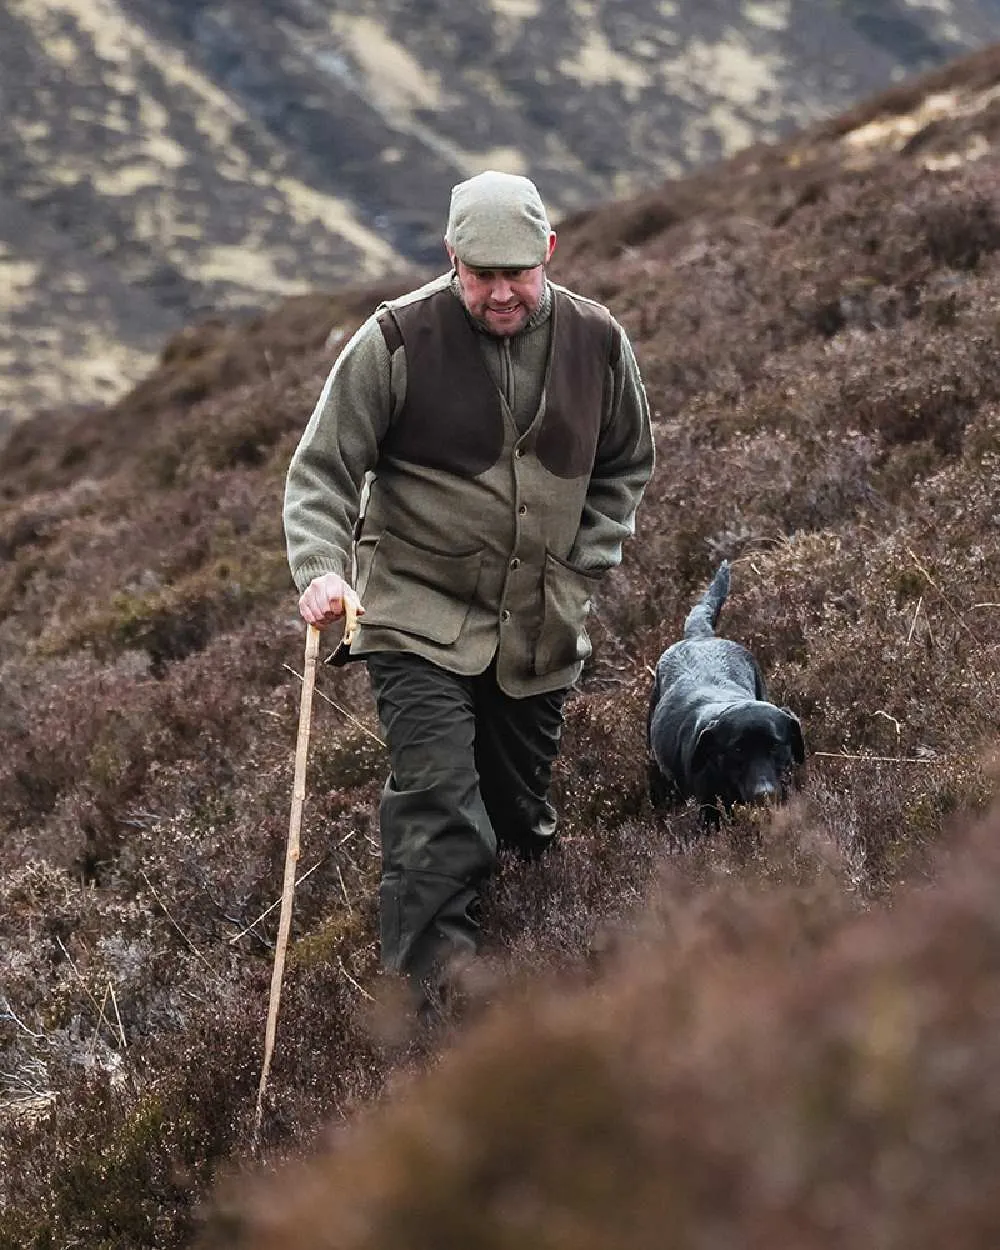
(780,1033)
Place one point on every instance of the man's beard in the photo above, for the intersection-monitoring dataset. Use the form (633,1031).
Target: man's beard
(481,322)
(514,326)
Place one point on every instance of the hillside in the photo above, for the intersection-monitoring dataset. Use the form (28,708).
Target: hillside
(160,160)
(770,1036)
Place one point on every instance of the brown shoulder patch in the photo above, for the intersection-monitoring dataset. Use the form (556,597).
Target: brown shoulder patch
(390,331)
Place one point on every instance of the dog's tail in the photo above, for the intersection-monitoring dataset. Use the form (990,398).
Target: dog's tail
(702,618)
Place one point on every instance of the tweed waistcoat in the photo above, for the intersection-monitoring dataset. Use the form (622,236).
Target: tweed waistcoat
(462,553)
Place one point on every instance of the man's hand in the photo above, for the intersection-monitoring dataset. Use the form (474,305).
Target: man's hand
(324,600)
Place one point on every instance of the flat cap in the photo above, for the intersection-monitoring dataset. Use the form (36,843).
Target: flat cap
(498,221)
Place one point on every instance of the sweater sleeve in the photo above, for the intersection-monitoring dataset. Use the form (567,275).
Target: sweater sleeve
(623,466)
(337,449)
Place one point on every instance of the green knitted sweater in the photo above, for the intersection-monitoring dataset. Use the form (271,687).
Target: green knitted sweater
(484,535)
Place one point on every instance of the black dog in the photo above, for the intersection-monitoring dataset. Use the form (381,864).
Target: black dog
(712,733)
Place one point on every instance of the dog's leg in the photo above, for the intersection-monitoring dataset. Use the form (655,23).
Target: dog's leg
(662,789)
(711,816)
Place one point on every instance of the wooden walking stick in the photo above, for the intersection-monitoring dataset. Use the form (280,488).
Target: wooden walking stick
(292,848)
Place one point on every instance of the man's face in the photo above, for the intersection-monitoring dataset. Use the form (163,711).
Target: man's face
(501,300)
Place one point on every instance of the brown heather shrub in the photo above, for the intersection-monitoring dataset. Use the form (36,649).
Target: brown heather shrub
(779,1033)
(720,1083)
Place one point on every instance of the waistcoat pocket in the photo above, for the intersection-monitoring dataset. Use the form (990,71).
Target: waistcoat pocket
(563,639)
(415,590)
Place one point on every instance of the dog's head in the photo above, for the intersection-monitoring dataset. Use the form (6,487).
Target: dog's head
(747,754)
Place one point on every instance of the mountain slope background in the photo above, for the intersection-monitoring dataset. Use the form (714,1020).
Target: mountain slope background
(161,162)
(761,1037)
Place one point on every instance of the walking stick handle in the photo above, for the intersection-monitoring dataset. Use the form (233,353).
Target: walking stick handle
(291,859)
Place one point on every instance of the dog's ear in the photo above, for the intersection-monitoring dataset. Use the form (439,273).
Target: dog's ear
(795,736)
(704,746)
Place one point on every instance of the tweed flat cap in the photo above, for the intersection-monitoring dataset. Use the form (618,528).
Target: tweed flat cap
(498,221)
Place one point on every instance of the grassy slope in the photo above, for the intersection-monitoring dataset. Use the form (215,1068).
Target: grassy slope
(817,325)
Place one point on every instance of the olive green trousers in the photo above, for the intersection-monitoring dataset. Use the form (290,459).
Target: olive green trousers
(470,772)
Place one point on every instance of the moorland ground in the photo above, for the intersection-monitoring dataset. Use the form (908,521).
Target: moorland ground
(781,1034)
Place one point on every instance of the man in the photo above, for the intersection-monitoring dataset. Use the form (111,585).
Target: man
(498,427)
